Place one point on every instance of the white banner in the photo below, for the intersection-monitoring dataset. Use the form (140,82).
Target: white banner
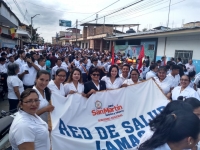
(108,120)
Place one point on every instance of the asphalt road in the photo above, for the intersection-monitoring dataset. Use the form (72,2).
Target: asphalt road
(4,104)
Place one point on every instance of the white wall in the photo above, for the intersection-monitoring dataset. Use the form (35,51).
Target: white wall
(189,42)
(4,12)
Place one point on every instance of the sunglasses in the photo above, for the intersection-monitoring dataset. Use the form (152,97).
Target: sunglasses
(96,75)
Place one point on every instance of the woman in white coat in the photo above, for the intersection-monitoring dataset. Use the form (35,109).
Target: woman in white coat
(184,89)
(164,82)
(41,82)
(28,131)
(113,81)
(133,79)
(56,85)
(74,83)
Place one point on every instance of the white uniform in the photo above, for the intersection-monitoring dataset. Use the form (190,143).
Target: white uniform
(20,62)
(123,79)
(116,84)
(71,87)
(42,68)
(28,79)
(165,85)
(129,82)
(55,68)
(187,92)
(43,103)
(29,128)
(150,74)
(189,67)
(53,87)
(14,81)
(3,68)
(175,80)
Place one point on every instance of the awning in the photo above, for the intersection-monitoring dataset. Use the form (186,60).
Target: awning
(23,33)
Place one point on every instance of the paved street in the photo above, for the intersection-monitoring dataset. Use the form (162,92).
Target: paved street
(4,105)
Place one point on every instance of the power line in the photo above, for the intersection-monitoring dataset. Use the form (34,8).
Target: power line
(152,11)
(59,10)
(100,10)
(20,10)
(118,10)
(138,9)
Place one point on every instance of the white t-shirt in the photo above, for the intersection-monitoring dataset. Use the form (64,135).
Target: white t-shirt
(52,86)
(29,128)
(28,79)
(116,84)
(70,86)
(150,74)
(42,68)
(175,80)
(13,81)
(123,79)
(189,67)
(55,68)
(76,62)
(3,68)
(165,85)
(129,82)
(20,62)
(187,92)
(43,103)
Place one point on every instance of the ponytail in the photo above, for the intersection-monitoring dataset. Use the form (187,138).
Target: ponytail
(161,134)
(173,128)
(47,92)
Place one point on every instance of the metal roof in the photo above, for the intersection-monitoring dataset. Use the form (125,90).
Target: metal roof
(112,25)
(151,32)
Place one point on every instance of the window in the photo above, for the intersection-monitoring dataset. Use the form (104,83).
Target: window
(185,55)
(151,47)
(86,45)
(122,42)
(82,45)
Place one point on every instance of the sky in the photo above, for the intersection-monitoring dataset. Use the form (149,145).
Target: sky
(147,13)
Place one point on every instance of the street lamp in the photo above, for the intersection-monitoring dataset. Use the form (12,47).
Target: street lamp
(32,27)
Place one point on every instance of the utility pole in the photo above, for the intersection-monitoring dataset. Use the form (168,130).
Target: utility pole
(168,13)
(32,27)
(76,29)
(97,18)
(104,24)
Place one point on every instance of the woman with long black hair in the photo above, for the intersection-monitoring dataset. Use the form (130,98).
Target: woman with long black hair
(44,93)
(178,130)
(113,81)
(154,124)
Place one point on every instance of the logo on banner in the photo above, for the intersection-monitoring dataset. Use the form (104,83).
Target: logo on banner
(98,104)
(110,112)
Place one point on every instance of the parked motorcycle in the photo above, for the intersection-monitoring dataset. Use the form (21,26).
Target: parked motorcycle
(6,119)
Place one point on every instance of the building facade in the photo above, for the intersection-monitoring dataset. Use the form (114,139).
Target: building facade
(180,42)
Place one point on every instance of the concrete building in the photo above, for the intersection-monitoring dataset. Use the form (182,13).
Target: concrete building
(9,20)
(94,34)
(192,24)
(177,42)
(64,37)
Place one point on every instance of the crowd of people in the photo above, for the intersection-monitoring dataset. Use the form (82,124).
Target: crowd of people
(33,75)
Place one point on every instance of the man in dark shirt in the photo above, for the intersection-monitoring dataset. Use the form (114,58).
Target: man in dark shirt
(53,60)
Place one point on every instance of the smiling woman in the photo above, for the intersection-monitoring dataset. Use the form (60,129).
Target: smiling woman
(184,89)
(28,131)
(41,82)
